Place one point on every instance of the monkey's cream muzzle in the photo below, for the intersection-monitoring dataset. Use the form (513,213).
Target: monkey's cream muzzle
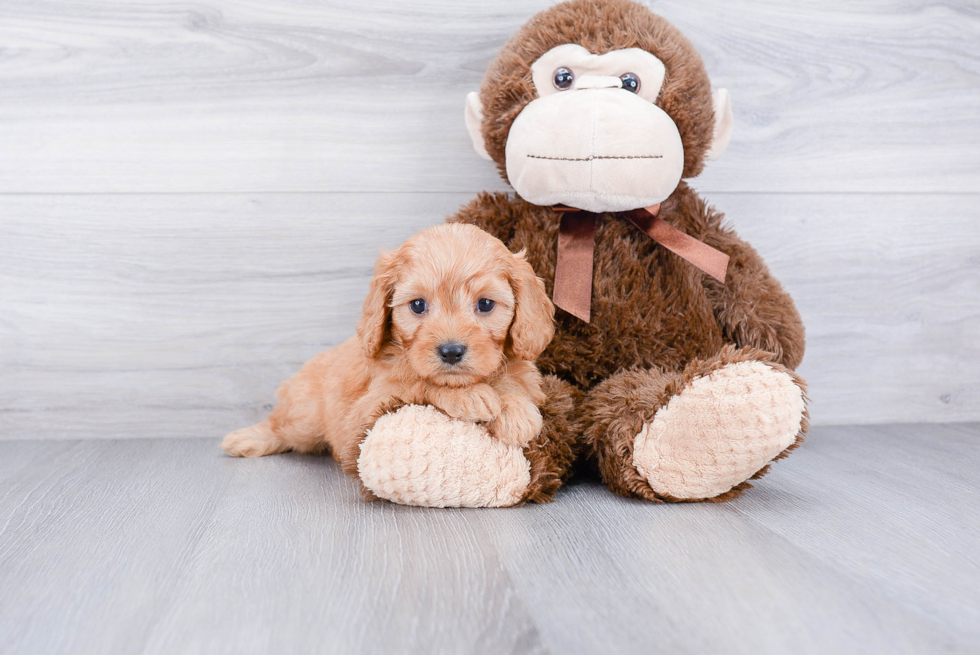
(595,148)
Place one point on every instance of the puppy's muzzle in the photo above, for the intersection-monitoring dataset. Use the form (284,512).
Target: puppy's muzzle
(451,353)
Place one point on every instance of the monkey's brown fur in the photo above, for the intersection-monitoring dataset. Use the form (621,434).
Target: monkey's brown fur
(657,322)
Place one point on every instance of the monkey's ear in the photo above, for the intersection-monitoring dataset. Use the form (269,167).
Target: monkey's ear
(724,121)
(474,123)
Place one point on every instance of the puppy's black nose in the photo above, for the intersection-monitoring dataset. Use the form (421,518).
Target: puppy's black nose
(451,353)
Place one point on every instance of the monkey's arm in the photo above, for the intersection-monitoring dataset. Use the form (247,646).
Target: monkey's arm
(751,305)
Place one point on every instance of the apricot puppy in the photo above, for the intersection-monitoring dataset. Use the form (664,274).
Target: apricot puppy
(452,319)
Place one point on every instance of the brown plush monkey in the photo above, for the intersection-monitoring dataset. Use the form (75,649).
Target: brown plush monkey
(677,385)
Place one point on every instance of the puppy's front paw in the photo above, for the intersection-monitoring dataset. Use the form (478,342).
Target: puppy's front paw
(254,441)
(479,403)
(519,422)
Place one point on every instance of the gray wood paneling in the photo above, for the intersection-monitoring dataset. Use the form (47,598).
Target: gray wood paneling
(350,95)
(178,315)
(168,546)
(889,291)
(125,313)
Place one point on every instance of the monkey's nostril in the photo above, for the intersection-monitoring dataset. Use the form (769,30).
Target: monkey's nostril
(451,353)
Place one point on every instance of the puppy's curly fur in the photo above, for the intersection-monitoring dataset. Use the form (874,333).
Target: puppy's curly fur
(426,295)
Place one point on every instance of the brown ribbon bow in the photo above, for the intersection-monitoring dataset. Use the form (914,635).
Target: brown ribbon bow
(576,245)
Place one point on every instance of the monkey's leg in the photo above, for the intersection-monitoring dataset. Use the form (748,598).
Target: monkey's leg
(697,434)
(419,456)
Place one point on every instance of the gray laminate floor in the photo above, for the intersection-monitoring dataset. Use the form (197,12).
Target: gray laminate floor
(866,540)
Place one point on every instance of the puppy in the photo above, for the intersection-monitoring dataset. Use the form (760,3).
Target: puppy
(452,319)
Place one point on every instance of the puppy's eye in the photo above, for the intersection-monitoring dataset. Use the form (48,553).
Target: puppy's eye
(485,305)
(418,306)
(563,79)
(630,82)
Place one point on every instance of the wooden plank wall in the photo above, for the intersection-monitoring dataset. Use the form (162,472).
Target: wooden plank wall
(192,195)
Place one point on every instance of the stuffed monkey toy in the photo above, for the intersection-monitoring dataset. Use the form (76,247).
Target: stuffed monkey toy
(671,370)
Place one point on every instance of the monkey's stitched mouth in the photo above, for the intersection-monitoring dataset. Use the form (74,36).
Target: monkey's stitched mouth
(593,157)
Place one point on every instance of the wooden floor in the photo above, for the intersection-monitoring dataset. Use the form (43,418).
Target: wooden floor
(866,540)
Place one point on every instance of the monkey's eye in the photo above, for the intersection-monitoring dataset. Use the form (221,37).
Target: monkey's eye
(563,79)
(485,305)
(418,306)
(630,82)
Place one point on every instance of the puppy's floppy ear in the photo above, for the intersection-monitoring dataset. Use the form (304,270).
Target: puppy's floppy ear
(374,326)
(534,315)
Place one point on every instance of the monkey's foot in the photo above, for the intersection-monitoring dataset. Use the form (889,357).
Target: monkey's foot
(420,456)
(720,430)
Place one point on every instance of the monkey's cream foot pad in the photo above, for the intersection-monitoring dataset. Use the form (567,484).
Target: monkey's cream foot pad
(420,456)
(719,431)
